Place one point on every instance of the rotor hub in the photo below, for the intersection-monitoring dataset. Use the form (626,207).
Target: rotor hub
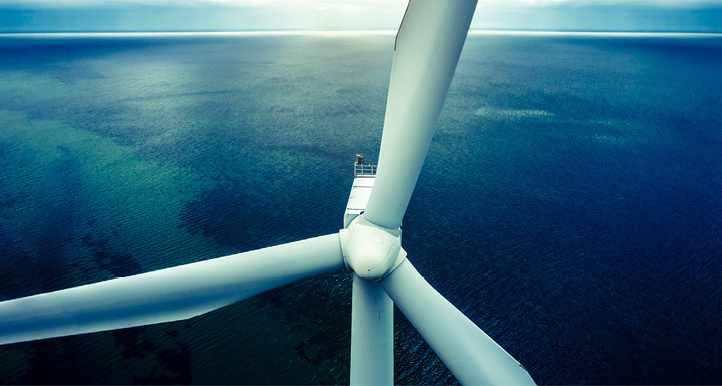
(371,251)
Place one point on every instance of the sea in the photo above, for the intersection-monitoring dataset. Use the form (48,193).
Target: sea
(570,203)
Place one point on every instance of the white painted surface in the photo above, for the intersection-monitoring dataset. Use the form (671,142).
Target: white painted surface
(168,294)
(370,251)
(428,46)
(358,198)
(372,335)
(471,355)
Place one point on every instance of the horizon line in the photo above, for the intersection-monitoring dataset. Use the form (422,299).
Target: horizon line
(348,32)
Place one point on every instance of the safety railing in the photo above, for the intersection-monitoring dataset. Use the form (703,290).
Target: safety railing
(364,170)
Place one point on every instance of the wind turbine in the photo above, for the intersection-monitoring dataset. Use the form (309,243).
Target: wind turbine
(427,49)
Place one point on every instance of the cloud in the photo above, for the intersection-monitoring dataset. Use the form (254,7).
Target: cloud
(600,15)
(601,3)
(379,5)
(382,6)
(194,15)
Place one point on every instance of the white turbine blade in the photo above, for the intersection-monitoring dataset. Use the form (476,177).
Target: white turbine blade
(428,46)
(372,334)
(168,294)
(469,353)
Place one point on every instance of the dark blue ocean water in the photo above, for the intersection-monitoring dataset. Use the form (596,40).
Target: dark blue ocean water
(570,203)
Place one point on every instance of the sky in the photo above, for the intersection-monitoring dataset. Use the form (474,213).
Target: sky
(250,15)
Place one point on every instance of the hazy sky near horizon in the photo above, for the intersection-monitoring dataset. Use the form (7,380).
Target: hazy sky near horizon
(211,15)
